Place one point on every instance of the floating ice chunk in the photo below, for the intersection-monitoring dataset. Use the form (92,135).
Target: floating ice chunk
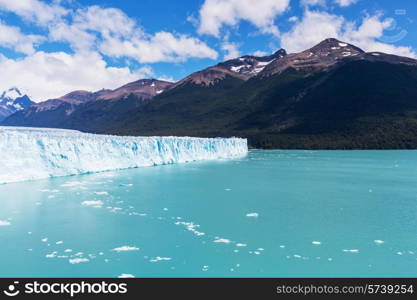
(126,248)
(93,203)
(190,226)
(52,255)
(114,209)
(316,243)
(44,240)
(126,276)
(72,184)
(296,256)
(378,242)
(68,250)
(240,245)
(78,260)
(59,242)
(221,240)
(351,250)
(205,268)
(252,215)
(137,214)
(158,258)
(48,191)
(4,223)
(101,193)
(282,246)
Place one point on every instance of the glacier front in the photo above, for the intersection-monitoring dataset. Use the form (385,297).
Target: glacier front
(36,153)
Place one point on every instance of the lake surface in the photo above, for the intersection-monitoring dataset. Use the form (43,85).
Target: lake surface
(270,214)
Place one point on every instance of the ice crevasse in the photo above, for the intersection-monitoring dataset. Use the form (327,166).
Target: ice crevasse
(30,153)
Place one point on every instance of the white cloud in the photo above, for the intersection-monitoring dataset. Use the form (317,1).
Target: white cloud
(214,14)
(317,26)
(11,37)
(260,53)
(114,34)
(344,3)
(95,34)
(313,2)
(312,29)
(51,75)
(231,49)
(34,10)
(163,46)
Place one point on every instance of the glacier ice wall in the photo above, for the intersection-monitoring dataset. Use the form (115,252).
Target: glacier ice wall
(31,153)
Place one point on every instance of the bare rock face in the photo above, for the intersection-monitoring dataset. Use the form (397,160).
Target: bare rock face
(243,68)
(144,88)
(322,56)
(328,54)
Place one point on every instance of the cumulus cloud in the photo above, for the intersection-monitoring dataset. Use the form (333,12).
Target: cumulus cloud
(260,53)
(313,2)
(344,3)
(34,10)
(231,49)
(96,35)
(111,32)
(163,46)
(214,14)
(51,75)
(316,26)
(11,37)
(312,29)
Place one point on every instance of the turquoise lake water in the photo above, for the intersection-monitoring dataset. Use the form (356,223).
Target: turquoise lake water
(270,214)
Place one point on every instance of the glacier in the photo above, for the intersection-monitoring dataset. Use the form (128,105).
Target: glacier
(36,153)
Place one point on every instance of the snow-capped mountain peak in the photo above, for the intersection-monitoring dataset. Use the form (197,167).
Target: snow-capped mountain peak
(11,94)
(13,100)
(244,68)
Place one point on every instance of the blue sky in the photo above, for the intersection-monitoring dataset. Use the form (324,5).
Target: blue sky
(51,47)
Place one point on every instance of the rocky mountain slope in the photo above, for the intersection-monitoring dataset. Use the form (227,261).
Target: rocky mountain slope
(332,96)
(58,112)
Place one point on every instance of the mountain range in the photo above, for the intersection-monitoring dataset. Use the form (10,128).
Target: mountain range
(11,101)
(332,96)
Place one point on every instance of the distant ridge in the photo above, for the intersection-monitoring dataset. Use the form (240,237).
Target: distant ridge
(331,96)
